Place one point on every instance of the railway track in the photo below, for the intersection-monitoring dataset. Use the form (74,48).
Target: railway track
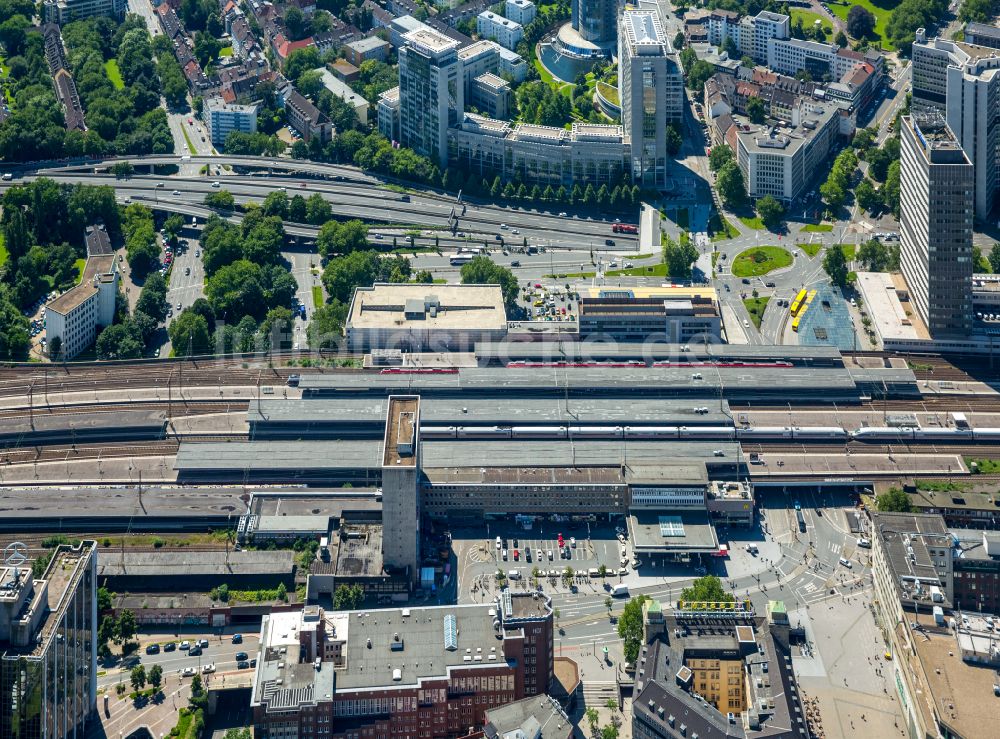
(859,447)
(176,408)
(78,452)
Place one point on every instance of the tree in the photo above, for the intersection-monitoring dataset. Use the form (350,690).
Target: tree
(138,677)
(125,627)
(609,732)
(994,257)
(237,290)
(894,500)
(719,156)
(679,40)
(318,210)
(707,588)
(155,676)
(730,184)
(630,627)
(860,22)
(326,327)
(282,591)
(119,341)
(875,256)
(730,48)
(593,717)
(867,196)
(755,110)
(348,597)
(890,190)
(13,32)
(275,204)
(835,264)
(297,209)
(189,334)
(153,298)
(674,141)
(770,211)
(482,270)
(295,22)
(699,74)
(221,200)
(678,257)
(840,39)
(103,599)
(341,238)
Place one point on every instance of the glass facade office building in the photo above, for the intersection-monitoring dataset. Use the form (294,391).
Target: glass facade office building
(48,647)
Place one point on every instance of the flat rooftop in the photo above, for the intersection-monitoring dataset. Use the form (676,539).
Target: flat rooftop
(882,303)
(178,561)
(401,429)
(359,551)
(429,40)
(671,532)
(961,692)
(906,538)
(399,307)
(97,267)
(494,411)
(82,421)
(667,293)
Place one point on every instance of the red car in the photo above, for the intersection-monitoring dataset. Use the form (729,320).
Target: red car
(517,555)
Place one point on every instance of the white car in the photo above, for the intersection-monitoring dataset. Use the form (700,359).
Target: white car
(208,669)
(176,192)
(746,323)
(189,672)
(185,645)
(216,184)
(572,541)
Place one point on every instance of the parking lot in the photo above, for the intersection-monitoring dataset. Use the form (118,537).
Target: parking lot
(553,303)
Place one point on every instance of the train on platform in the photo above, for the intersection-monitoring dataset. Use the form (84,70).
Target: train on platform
(715,433)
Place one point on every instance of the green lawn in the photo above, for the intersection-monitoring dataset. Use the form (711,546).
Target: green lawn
(4,254)
(817,228)
(721,228)
(114,74)
(79,264)
(849,251)
(756,307)
(760,260)
(809,19)
(226,51)
(187,139)
(317,292)
(810,249)
(881,14)
(752,222)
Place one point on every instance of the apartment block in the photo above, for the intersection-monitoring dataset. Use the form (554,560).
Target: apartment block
(504,31)
(520,11)
(222,119)
(75,315)
(388,114)
(363,50)
(936,204)
(64,11)
(431,93)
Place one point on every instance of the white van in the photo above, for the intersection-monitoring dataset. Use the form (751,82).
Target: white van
(514,575)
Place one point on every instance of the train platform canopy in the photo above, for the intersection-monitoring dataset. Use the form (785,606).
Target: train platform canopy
(235,456)
(673,534)
(176,561)
(504,351)
(81,421)
(789,382)
(494,411)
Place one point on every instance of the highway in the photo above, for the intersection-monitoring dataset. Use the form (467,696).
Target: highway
(370,203)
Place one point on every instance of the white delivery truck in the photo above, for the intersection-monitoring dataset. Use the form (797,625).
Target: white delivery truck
(619,591)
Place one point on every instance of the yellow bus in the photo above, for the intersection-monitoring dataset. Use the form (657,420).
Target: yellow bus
(795,323)
(797,303)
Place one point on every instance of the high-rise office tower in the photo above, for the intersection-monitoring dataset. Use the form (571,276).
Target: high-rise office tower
(48,644)
(400,486)
(962,81)
(431,96)
(936,202)
(651,89)
(595,20)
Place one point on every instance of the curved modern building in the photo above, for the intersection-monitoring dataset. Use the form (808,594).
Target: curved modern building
(595,20)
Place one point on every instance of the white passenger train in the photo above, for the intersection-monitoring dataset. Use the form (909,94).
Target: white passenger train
(719,433)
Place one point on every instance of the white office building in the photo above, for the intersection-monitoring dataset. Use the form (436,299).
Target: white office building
(520,11)
(935,224)
(74,316)
(512,64)
(223,118)
(504,31)
(651,89)
(962,82)
(388,114)
(431,93)
(782,161)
